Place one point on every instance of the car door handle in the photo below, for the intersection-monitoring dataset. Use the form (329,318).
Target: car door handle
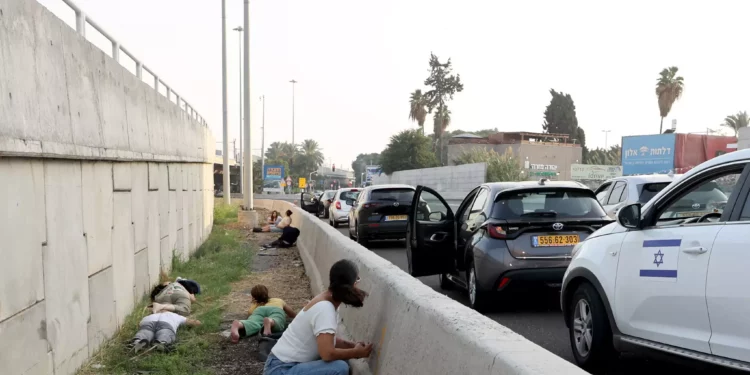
(438,236)
(694,250)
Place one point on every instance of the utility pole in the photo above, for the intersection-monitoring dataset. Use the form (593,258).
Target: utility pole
(249,202)
(227,190)
(294,83)
(263,137)
(606,132)
(239,29)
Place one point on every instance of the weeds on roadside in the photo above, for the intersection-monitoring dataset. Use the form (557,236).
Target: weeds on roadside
(221,260)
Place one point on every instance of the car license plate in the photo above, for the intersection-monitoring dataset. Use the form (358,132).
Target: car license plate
(552,241)
(395,218)
(691,214)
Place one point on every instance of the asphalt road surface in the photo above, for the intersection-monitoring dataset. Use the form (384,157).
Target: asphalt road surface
(539,319)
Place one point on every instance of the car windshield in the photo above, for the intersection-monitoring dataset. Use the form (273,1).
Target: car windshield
(648,191)
(271,184)
(347,195)
(557,203)
(394,195)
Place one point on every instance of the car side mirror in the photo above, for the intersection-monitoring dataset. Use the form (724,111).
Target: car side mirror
(630,216)
(437,216)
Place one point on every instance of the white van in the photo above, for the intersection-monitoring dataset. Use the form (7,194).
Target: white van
(272,187)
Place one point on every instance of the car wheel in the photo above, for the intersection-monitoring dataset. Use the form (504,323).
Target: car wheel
(360,240)
(478,299)
(444,282)
(334,223)
(590,333)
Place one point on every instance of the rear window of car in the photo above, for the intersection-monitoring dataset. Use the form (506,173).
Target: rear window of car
(329,194)
(648,191)
(347,195)
(557,203)
(394,195)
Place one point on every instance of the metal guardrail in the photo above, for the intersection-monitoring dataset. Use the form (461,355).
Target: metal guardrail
(82,20)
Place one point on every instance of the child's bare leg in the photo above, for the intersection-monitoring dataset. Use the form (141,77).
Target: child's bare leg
(235,331)
(268,324)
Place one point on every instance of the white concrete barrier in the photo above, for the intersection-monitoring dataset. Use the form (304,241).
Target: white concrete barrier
(415,329)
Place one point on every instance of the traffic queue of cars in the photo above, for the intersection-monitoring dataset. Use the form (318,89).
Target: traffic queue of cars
(647,263)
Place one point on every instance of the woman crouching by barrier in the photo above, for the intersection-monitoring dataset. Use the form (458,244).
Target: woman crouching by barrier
(310,345)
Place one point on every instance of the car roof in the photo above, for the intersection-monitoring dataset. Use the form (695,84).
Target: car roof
(391,186)
(645,179)
(518,185)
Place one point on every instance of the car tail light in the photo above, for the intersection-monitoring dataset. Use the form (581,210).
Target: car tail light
(371,205)
(496,231)
(354,190)
(338,205)
(503,283)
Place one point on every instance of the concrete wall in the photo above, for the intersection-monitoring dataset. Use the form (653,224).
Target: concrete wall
(82,242)
(102,180)
(415,329)
(62,97)
(451,182)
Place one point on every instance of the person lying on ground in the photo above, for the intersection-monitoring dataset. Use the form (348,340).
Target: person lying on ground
(159,329)
(172,297)
(266,313)
(278,227)
(310,344)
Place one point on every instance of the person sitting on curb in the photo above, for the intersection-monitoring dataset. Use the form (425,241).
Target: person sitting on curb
(267,313)
(159,329)
(310,345)
(274,219)
(172,297)
(278,227)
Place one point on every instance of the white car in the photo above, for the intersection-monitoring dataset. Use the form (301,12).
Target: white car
(272,187)
(620,191)
(338,210)
(669,275)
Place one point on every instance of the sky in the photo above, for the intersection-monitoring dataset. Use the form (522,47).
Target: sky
(356,62)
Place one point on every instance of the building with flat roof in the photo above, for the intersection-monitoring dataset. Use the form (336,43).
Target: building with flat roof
(541,155)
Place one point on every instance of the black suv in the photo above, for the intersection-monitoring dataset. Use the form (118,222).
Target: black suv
(380,212)
(505,235)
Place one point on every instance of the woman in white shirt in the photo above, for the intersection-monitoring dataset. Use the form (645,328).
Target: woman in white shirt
(309,346)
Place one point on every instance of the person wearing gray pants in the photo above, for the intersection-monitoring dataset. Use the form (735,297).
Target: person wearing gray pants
(159,329)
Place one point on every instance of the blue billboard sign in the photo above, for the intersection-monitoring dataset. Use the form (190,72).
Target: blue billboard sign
(371,171)
(648,154)
(273,172)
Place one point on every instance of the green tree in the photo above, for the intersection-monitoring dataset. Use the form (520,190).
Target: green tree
(736,121)
(408,149)
(560,115)
(480,133)
(505,167)
(669,88)
(310,157)
(444,86)
(418,108)
(600,156)
(362,160)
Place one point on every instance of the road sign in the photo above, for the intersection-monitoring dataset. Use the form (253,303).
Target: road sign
(302,182)
(273,172)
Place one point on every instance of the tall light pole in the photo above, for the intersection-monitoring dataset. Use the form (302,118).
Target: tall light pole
(263,137)
(606,132)
(239,29)
(249,202)
(294,83)
(227,190)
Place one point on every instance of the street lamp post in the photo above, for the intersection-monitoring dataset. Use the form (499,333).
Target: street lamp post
(263,137)
(227,187)
(294,83)
(606,132)
(249,201)
(239,29)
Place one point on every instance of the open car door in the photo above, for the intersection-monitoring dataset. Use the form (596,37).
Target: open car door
(309,203)
(430,234)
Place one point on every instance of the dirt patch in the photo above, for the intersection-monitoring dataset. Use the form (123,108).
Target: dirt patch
(282,271)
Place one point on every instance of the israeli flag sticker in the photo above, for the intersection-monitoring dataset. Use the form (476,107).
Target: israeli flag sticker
(659,259)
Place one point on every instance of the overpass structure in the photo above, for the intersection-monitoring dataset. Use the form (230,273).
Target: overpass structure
(105,177)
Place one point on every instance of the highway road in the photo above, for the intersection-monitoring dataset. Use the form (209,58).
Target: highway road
(538,318)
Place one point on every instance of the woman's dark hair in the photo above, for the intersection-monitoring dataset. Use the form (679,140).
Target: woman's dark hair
(274,213)
(157,289)
(260,294)
(288,212)
(342,277)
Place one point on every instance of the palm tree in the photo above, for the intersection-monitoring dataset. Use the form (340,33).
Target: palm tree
(669,88)
(275,152)
(736,121)
(311,155)
(441,119)
(418,108)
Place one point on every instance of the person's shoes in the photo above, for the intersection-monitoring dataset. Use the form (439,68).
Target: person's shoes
(137,345)
(257,230)
(163,347)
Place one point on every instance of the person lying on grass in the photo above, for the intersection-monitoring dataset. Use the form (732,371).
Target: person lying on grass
(266,313)
(310,345)
(172,297)
(159,330)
